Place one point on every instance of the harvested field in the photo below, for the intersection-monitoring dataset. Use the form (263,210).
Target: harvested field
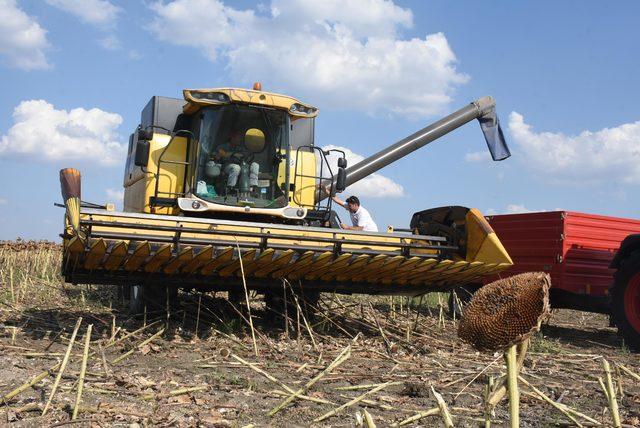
(196,364)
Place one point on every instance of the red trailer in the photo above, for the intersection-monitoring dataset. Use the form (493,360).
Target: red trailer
(576,249)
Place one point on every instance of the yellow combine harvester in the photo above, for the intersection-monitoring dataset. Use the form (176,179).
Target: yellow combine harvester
(226,182)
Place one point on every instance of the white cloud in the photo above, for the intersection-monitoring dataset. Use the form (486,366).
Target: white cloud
(23,41)
(96,12)
(110,43)
(604,156)
(134,55)
(339,53)
(41,132)
(3,201)
(373,186)
(116,196)
(477,156)
(510,209)
(517,209)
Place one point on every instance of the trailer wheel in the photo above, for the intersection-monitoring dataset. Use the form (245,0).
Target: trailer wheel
(625,301)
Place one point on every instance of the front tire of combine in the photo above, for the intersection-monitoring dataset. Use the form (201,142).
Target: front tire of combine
(136,302)
(154,298)
(276,307)
(625,301)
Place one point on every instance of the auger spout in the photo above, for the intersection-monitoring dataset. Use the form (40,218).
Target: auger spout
(482,109)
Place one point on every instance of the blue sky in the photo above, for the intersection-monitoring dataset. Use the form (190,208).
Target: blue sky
(566,76)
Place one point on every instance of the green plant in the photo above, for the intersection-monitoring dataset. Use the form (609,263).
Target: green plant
(544,345)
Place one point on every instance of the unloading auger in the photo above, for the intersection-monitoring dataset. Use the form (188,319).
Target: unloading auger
(230,176)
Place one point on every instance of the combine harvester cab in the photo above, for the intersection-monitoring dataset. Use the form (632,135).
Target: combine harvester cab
(195,218)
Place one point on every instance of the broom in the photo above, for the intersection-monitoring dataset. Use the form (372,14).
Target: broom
(70,186)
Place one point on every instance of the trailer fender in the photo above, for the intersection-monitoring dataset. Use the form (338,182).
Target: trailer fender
(629,245)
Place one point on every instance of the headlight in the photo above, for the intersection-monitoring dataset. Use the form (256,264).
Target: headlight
(299,108)
(292,212)
(211,96)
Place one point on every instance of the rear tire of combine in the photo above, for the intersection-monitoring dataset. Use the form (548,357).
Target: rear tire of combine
(625,301)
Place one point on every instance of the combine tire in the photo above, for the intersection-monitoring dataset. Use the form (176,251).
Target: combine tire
(154,297)
(275,304)
(237,298)
(625,301)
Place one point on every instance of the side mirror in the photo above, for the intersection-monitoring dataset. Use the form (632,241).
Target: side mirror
(142,153)
(342,163)
(341,181)
(145,134)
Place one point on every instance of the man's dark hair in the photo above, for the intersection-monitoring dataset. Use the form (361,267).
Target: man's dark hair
(353,200)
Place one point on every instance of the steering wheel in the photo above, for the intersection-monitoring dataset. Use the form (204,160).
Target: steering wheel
(240,156)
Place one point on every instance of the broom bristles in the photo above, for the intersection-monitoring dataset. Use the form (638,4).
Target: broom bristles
(70,187)
(70,183)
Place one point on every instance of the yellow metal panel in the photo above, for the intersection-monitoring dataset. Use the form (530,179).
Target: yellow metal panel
(96,253)
(301,261)
(357,263)
(341,261)
(493,251)
(389,266)
(291,237)
(407,267)
(116,256)
(435,274)
(424,266)
(280,260)
(457,274)
(263,259)
(198,261)
(374,264)
(454,267)
(138,257)
(221,258)
(482,243)
(470,268)
(141,185)
(438,267)
(494,269)
(76,245)
(306,186)
(234,266)
(185,256)
(321,260)
(472,272)
(320,264)
(159,257)
(239,95)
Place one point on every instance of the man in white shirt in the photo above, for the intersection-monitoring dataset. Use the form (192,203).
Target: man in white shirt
(360,217)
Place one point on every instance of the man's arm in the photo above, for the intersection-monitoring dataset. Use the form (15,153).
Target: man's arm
(344,226)
(336,199)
